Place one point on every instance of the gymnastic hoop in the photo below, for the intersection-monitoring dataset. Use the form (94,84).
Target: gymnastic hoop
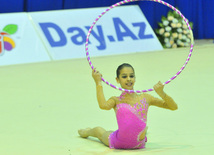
(128,1)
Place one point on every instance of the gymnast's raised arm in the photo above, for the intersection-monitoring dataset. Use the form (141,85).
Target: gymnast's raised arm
(103,104)
(167,102)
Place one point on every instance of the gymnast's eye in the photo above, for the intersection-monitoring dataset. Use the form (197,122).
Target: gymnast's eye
(124,77)
(132,76)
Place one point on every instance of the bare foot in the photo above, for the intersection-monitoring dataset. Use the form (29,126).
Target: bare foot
(84,132)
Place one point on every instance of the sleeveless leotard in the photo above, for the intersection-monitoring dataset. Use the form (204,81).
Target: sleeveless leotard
(131,124)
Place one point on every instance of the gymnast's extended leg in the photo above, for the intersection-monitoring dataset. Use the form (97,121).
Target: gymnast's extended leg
(97,132)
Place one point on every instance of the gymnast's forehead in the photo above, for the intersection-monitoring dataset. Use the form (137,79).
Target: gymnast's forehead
(126,70)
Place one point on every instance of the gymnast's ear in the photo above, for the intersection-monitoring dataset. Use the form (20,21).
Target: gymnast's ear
(117,79)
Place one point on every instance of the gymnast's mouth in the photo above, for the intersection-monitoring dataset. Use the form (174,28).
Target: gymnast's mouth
(129,84)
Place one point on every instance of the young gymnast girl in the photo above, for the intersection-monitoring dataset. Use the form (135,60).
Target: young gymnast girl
(131,111)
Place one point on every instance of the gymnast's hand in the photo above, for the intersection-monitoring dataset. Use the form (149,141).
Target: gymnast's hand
(97,76)
(159,89)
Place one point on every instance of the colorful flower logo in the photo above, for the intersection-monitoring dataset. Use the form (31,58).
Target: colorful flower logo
(6,43)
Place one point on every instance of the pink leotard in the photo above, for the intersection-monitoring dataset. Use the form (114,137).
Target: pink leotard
(131,124)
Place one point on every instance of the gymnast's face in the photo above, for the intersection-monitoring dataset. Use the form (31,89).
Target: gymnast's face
(126,78)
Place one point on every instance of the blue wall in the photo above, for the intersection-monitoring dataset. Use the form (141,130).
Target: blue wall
(200,12)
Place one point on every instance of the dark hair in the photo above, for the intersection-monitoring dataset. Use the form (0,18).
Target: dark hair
(119,68)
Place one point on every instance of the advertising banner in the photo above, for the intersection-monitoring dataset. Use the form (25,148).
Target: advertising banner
(122,30)
(19,42)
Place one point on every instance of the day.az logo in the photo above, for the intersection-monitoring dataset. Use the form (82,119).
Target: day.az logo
(6,43)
